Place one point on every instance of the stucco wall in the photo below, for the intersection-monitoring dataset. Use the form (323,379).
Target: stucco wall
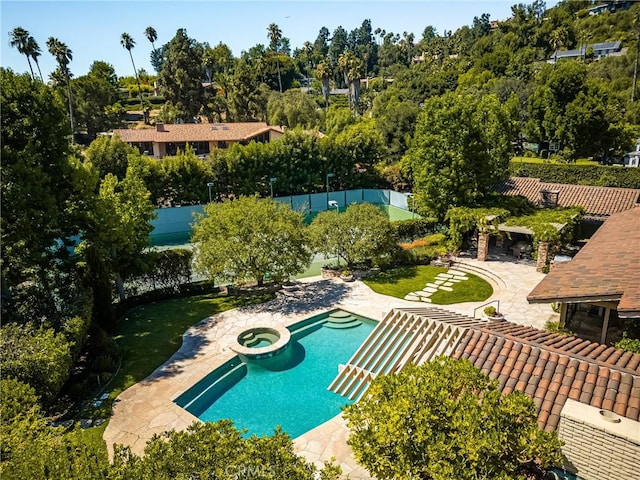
(597,448)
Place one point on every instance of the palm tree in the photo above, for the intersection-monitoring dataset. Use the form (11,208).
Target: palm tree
(34,52)
(557,39)
(307,48)
(324,72)
(275,35)
(151,35)
(63,56)
(128,42)
(352,68)
(20,40)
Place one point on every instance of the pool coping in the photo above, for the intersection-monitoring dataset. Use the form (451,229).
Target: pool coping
(284,337)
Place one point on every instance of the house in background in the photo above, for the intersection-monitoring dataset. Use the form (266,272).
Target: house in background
(611,6)
(599,289)
(166,139)
(600,50)
(632,159)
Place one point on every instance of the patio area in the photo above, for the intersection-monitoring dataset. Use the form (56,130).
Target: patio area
(147,408)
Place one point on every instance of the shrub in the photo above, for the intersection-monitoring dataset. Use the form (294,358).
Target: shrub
(184,290)
(413,228)
(39,357)
(629,344)
(599,175)
(422,255)
(556,327)
(490,311)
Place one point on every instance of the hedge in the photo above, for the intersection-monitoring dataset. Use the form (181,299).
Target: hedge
(597,175)
(413,228)
(184,290)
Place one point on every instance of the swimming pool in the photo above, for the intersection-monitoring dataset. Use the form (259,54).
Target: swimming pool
(287,389)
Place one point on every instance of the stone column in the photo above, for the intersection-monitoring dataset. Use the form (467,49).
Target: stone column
(483,247)
(543,253)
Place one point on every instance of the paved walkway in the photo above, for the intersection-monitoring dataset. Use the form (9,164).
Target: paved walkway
(147,407)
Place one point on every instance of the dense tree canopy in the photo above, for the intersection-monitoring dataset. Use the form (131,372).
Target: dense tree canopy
(181,75)
(38,191)
(461,148)
(361,233)
(444,420)
(217,450)
(243,240)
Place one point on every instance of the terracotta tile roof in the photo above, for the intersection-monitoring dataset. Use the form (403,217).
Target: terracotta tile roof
(196,132)
(550,368)
(606,268)
(596,201)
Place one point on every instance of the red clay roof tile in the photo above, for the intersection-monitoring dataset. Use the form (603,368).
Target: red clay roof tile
(196,132)
(550,368)
(597,201)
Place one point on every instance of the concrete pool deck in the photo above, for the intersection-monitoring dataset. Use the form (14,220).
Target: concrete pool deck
(147,407)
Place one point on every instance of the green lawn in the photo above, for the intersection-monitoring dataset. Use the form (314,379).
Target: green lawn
(149,335)
(398,282)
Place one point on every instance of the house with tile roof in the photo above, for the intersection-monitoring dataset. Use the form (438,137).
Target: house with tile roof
(589,393)
(166,139)
(599,286)
(598,202)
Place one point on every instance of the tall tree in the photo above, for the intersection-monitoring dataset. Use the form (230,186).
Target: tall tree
(352,68)
(359,234)
(324,72)
(446,419)
(151,35)
(37,185)
(97,104)
(34,52)
(275,36)
(241,240)
(128,43)
(557,39)
(181,75)
(321,44)
(119,225)
(461,148)
(20,40)
(63,56)
(337,47)
(307,58)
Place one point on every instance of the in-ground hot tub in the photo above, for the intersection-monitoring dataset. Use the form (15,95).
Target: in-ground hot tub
(261,342)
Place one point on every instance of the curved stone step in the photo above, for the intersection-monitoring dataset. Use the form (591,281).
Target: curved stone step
(348,319)
(486,274)
(339,314)
(351,324)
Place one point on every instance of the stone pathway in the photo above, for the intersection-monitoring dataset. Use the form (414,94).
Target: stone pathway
(443,281)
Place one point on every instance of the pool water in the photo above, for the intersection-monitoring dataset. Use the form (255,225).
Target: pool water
(289,389)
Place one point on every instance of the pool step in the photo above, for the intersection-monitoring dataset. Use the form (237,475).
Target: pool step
(343,319)
(340,314)
(338,325)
